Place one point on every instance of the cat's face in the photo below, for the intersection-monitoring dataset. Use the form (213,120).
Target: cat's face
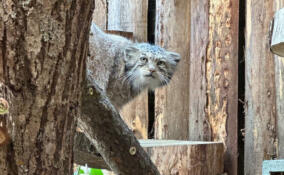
(149,66)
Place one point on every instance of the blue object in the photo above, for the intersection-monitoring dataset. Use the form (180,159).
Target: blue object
(272,166)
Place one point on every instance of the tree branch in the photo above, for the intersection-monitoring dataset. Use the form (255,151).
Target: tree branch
(106,130)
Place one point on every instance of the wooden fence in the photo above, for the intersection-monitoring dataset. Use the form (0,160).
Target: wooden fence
(201,103)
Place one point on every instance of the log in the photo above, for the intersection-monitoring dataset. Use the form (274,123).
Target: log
(105,129)
(177,157)
(277,39)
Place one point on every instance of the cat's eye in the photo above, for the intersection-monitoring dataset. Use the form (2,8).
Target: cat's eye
(144,59)
(160,63)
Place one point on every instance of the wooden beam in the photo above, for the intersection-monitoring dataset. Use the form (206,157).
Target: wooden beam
(172,101)
(277,40)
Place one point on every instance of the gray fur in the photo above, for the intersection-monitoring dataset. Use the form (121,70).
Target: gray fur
(123,68)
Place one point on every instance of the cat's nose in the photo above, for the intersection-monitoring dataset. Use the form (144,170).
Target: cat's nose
(152,70)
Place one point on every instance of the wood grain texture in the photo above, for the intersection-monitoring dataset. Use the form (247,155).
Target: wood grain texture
(187,158)
(222,78)
(199,126)
(172,101)
(279,82)
(131,16)
(100,14)
(260,123)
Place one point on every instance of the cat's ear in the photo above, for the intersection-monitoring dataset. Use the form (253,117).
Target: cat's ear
(130,52)
(174,56)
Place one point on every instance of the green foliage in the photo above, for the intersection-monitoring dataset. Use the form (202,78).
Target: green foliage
(92,171)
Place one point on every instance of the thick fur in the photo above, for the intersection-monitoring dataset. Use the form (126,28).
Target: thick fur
(123,68)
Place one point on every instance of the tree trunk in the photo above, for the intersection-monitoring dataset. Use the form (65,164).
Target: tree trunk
(43,52)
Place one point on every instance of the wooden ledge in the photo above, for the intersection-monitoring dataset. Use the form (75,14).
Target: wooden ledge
(156,143)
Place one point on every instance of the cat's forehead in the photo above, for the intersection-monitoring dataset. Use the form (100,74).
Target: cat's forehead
(152,50)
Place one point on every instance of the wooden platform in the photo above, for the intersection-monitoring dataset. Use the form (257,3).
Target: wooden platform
(174,157)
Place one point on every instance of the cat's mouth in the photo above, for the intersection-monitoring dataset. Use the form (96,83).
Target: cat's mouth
(149,76)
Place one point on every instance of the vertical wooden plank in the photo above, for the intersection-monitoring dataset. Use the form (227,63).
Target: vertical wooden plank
(222,78)
(131,16)
(279,82)
(199,126)
(100,13)
(172,101)
(260,138)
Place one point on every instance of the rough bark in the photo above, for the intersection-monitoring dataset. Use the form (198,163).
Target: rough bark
(171,102)
(260,123)
(103,126)
(43,49)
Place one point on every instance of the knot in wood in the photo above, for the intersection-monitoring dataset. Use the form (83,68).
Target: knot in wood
(91,91)
(132,150)
(4,106)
